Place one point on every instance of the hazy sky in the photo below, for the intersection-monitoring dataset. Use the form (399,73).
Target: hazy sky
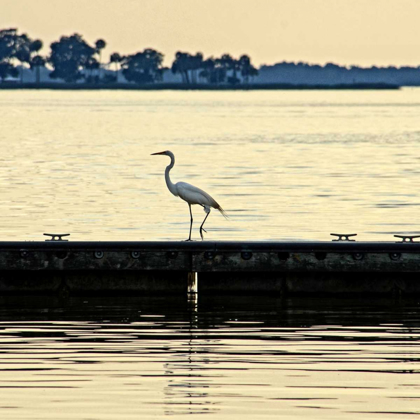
(363,32)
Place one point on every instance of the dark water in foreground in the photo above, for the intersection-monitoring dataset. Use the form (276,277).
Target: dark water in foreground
(132,358)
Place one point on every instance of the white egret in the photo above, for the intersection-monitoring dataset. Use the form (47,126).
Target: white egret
(192,195)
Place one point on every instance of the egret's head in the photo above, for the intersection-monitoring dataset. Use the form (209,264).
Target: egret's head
(166,153)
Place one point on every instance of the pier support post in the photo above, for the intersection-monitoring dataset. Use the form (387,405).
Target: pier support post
(192,282)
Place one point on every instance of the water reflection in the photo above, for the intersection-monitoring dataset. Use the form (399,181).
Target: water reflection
(187,378)
(128,357)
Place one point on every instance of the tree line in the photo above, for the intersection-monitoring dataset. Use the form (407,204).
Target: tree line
(302,73)
(72,59)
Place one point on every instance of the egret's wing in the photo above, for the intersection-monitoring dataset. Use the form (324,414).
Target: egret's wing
(194,195)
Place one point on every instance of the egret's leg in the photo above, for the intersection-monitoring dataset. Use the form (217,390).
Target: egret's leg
(207,210)
(191,222)
(202,224)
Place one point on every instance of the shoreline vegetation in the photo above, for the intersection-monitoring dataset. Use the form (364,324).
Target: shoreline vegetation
(73,63)
(195,87)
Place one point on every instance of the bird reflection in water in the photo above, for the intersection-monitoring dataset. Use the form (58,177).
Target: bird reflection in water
(187,385)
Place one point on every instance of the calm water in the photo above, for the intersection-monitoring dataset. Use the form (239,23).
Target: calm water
(225,358)
(285,165)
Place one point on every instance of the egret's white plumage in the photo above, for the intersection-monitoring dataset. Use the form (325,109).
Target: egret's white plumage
(189,193)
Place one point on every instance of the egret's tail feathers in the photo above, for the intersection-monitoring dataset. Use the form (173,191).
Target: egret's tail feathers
(223,213)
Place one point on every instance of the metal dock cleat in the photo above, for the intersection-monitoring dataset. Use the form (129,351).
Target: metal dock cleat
(343,237)
(407,238)
(56,237)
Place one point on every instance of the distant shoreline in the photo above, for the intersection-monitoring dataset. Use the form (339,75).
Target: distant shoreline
(199,87)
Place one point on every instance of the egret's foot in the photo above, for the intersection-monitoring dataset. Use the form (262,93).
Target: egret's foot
(201,234)
(188,240)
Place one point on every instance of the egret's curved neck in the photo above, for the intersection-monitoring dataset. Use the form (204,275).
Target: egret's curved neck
(171,186)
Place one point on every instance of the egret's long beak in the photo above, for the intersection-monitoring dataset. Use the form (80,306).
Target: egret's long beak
(159,153)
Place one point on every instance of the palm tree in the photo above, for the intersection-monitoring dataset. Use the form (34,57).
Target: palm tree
(196,63)
(36,63)
(8,39)
(116,58)
(181,65)
(246,68)
(91,65)
(34,48)
(24,50)
(208,66)
(230,64)
(100,44)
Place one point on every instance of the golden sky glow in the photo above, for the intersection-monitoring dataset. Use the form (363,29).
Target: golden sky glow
(363,32)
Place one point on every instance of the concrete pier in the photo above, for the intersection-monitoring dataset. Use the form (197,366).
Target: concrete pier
(222,267)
